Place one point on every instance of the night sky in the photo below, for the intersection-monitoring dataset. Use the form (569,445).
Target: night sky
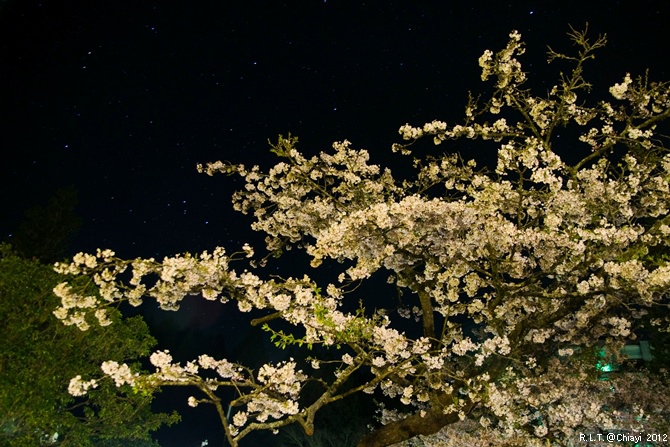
(121,99)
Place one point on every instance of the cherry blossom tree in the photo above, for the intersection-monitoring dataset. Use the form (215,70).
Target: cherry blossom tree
(515,274)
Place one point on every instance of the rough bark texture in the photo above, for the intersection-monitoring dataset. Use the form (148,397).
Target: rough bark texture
(408,428)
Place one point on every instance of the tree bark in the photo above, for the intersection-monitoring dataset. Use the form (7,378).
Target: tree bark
(428,317)
(402,430)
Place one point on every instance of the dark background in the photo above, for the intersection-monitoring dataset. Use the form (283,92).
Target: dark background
(121,99)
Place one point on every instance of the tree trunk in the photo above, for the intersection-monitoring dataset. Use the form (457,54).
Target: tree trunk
(407,428)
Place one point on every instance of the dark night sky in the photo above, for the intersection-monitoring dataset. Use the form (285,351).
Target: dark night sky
(122,98)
